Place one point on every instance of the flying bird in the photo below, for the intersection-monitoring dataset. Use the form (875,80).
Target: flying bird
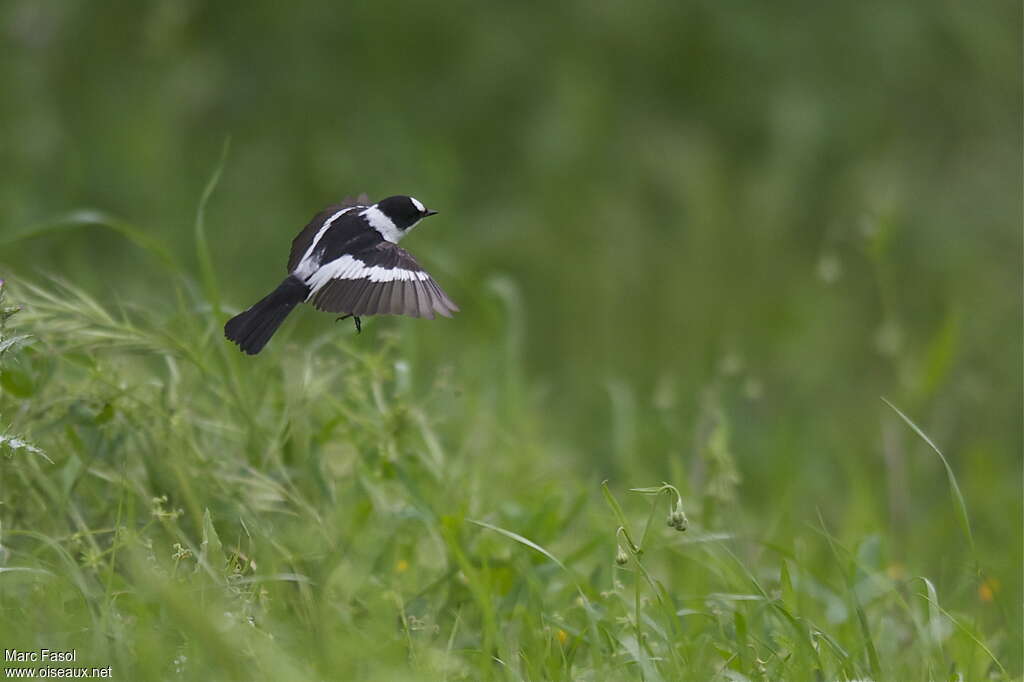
(347,260)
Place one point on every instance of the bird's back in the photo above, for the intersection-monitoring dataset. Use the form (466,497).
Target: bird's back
(348,207)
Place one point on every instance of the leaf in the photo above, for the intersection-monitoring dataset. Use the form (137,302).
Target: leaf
(961,506)
(24,569)
(14,342)
(731,597)
(202,247)
(786,583)
(616,509)
(740,625)
(963,628)
(17,381)
(16,443)
(211,552)
(653,490)
(938,629)
(277,577)
(862,620)
(521,540)
(89,217)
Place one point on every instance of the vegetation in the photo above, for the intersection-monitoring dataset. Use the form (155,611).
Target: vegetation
(735,393)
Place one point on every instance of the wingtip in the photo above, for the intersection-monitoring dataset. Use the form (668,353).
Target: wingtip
(449,308)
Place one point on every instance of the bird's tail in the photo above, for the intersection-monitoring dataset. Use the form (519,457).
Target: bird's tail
(252,328)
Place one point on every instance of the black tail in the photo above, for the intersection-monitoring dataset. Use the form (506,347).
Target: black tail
(252,328)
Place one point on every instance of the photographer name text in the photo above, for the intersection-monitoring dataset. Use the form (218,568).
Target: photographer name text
(40,655)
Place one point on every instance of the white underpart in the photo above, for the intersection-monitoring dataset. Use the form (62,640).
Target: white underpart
(306,266)
(418,205)
(348,267)
(383,224)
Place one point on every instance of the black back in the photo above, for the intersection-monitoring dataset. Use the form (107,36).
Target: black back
(302,241)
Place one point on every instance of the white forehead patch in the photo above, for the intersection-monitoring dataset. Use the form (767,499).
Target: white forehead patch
(418,205)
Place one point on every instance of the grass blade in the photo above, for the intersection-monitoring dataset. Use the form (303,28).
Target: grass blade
(954,487)
(93,218)
(862,620)
(521,540)
(202,247)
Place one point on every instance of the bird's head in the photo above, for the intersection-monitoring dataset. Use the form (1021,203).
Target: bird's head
(404,211)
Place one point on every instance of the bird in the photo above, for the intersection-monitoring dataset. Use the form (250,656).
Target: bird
(347,260)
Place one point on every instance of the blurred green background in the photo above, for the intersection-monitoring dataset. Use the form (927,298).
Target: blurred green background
(652,214)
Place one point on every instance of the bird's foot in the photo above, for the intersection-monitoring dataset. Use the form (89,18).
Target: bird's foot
(355,318)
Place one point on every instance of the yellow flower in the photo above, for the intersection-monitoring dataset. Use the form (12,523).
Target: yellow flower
(987,589)
(401,566)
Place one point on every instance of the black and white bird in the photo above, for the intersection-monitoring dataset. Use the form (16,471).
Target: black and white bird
(347,260)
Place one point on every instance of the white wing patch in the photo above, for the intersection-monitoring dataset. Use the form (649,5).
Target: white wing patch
(306,266)
(348,267)
(383,224)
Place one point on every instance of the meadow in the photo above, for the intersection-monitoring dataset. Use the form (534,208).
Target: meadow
(735,392)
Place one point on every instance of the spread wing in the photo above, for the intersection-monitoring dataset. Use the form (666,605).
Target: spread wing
(302,242)
(382,280)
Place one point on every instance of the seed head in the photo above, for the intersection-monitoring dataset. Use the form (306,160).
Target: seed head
(677,517)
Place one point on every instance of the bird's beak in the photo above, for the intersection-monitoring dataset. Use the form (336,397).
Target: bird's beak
(429,213)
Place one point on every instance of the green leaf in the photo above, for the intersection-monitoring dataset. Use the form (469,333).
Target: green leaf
(521,540)
(958,498)
(211,552)
(89,217)
(14,342)
(740,624)
(202,247)
(786,584)
(15,443)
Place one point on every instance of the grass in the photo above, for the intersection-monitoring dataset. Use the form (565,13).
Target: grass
(177,511)
(694,244)
(329,511)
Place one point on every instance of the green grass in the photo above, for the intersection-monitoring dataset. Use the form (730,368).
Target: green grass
(696,245)
(329,511)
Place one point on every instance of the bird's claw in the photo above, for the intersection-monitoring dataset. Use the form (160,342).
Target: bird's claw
(355,318)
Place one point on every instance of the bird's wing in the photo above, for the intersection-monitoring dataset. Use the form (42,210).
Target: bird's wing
(382,280)
(304,239)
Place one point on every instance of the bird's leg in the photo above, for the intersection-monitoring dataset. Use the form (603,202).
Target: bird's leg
(355,318)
